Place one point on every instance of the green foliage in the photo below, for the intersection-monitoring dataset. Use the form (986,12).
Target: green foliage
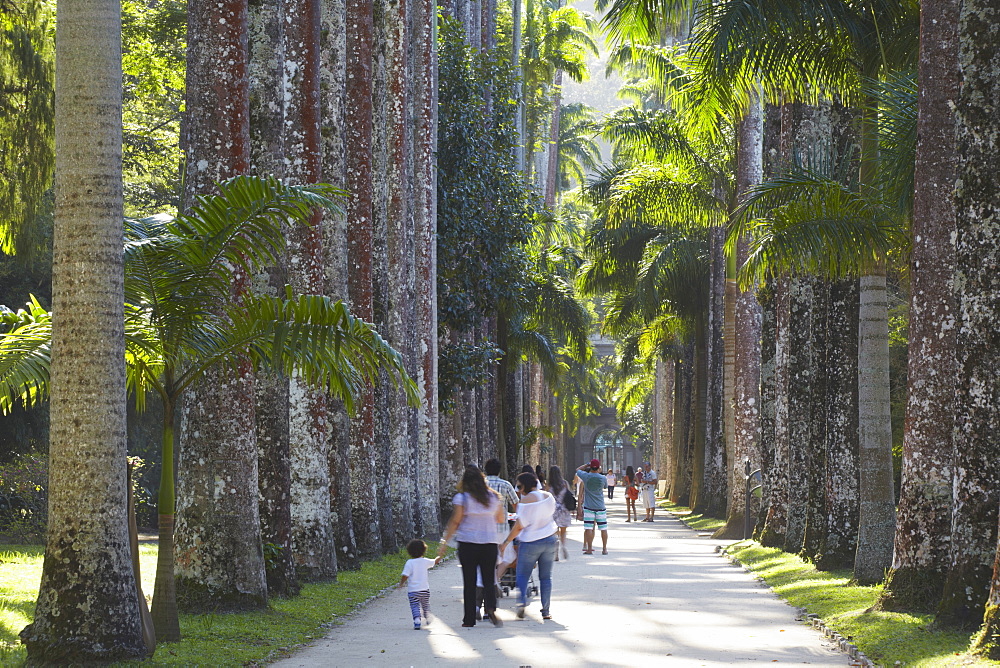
(814,217)
(466,365)
(180,318)
(27,113)
(578,151)
(24,497)
(153,65)
(556,38)
(484,211)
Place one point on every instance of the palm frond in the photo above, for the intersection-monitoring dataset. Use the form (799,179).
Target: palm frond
(807,223)
(25,355)
(309,336)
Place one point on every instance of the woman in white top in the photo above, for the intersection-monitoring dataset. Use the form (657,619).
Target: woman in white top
(537,531)
(473,523)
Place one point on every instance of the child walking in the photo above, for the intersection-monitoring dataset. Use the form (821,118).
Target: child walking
(416,581)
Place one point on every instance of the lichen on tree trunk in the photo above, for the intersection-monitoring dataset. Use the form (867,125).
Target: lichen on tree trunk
(921,553)
(333,40)
(977,287)
(217,465)
(840,476)
(712,494)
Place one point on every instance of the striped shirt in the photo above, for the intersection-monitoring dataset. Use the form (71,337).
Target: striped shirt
(507,495)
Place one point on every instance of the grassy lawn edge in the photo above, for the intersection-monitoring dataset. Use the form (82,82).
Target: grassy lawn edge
(693,520)
(885,637)
(231,639)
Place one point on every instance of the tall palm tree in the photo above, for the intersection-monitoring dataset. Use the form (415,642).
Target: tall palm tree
(88,600)
(921,556)
(969,589)
(217,436)
(179,272)
(358,115)
(557,42)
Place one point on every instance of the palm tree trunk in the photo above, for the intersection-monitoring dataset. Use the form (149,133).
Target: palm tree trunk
(362,460)
(743,344)
(699,414)
(334,73)
(814,451)
(840,512)
(712,495)
(775,415)
(977,265)
(424,78)
(267,115)
(87,609)
(164,606)
(518,92)
(399,263)
(219,560)
(797,412)
(920,553)
(308,420)
(381,139)
(663,397)
(552,167)
(681,485)
(766,297)
(877,519)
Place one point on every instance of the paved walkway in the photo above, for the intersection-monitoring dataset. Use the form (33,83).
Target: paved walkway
(661,597)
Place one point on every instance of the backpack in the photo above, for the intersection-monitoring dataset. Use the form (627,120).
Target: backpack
(568,500)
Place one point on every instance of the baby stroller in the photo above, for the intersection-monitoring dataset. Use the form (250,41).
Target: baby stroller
(508,582)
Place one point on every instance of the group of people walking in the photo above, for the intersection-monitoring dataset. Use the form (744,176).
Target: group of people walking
(541,508)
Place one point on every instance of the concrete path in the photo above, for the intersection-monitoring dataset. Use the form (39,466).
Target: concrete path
(661,597)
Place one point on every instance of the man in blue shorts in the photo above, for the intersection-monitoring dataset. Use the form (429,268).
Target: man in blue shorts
(594,511)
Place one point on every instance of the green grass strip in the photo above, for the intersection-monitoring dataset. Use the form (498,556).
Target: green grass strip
(885,637)
(696,521)
(239,639)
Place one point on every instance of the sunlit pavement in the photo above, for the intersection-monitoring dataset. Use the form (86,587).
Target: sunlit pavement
(662,596)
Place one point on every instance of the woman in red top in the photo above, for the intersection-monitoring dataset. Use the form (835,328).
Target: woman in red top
(631,494)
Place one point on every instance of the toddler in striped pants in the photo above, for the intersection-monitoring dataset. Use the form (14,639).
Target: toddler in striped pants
(416,581)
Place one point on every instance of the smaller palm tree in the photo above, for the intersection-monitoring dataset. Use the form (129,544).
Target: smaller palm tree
(180,322)
(578,151)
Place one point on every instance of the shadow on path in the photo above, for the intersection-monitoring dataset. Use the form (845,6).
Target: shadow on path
(660,597)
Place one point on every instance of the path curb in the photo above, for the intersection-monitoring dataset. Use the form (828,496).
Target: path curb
(844,643)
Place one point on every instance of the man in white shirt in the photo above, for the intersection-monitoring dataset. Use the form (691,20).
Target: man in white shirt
(648,491)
